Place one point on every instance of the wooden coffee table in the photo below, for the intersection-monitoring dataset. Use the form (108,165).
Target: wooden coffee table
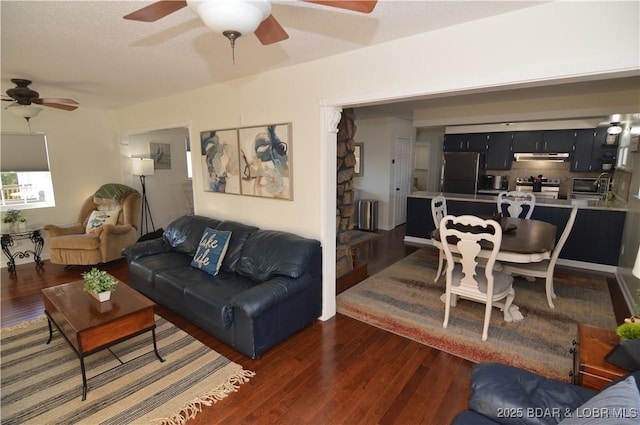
(90,326)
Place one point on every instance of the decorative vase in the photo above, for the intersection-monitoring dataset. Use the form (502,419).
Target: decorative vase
(625,354)
(22,226)
(101,296)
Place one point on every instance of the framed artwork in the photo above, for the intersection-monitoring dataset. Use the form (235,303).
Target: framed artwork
(358,151)
(221,169)
(161,155)
(265,161)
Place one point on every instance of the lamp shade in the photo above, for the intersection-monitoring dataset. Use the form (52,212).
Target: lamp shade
(242,16)
(142,166)
(25,111)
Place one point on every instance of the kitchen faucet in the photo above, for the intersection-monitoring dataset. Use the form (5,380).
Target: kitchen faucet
(597,182)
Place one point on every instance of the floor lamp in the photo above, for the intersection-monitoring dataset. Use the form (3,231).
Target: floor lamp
(143,167)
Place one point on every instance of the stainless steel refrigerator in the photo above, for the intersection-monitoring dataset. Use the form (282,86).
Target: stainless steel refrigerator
(462,171)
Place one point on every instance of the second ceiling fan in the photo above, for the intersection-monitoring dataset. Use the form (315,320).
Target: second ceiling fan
(233,18)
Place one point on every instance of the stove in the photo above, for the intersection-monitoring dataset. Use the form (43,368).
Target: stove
(550,188)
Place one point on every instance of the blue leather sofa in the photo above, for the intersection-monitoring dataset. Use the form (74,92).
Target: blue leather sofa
(502,394)
(269,286)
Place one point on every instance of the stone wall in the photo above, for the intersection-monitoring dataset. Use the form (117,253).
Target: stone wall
(345,201)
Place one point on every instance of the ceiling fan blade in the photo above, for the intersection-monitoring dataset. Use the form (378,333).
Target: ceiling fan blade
(364,6)
(270,31)
(42,101)
(59,106)
(156,10)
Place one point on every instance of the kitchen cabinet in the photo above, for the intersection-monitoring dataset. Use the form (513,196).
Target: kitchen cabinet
(527,141)
(604,150)
(558,140)
(543,141)
(499,155)
(582,147)
(468,142)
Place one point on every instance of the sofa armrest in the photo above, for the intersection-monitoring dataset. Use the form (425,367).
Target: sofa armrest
(68,229)
(258,299)
(145,248)
(510,395)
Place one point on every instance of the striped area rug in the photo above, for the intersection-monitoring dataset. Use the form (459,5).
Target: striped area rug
(127,384)
(403,299)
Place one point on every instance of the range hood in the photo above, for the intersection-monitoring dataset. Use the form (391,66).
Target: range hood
(534,156)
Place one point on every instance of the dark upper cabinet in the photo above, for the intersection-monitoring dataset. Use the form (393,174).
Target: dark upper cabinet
(558,140)
(468,142)
(583,145)
(527,141)
(543,141)
(499,155)
(604,150)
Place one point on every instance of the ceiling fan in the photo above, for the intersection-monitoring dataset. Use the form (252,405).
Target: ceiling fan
(22,95)
(233,18)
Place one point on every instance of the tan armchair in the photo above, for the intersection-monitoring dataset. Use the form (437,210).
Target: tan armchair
(80,244)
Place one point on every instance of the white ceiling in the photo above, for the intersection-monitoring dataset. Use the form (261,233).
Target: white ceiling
(86,51)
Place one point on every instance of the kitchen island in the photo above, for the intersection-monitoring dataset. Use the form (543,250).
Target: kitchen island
(595,238)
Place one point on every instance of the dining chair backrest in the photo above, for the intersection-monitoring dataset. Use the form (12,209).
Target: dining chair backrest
(467,232)
(516,203)
(438,209)
(563,238)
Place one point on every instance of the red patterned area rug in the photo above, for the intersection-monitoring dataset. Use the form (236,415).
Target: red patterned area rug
(405,300)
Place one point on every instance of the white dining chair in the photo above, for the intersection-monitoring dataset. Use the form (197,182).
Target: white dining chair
(544,269)
(516,203)
(470,278)
(438,211)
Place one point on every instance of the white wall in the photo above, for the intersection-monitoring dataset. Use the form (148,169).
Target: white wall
(164,188)
(378,136)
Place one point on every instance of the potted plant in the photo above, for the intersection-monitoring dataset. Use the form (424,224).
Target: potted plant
(626,354)
(12,218)
(99,284)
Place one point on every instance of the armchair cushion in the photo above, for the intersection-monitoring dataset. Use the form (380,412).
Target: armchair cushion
(85,242)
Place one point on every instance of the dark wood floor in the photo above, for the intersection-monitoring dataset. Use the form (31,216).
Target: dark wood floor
(336,372)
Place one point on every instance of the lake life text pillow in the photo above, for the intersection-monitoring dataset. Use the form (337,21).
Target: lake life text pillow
(211,250)
(99,218)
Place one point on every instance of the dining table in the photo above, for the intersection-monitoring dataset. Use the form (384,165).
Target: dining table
(523,241)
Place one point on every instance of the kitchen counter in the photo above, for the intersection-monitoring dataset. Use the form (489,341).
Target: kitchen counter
(560,203)
(594,242)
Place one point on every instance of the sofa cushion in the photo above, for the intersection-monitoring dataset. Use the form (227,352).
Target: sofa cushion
(239,235)
(144,269)
(184,233)
(211,298)
(618,404)
(211,250)
(269,253)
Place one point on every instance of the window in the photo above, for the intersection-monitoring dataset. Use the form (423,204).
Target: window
(189,167)
(26,179)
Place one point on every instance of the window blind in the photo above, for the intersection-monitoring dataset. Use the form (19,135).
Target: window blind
(23,152)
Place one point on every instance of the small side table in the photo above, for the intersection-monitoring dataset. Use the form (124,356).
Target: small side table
(8,241)
(590,369)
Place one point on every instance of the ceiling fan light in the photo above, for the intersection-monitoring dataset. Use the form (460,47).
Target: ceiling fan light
(614,128)
(242,16)
(25,111)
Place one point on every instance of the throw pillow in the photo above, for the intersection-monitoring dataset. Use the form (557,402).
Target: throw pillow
(211,250)
(99,218)
(618,404)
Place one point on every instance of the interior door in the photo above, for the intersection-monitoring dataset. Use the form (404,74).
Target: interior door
(402,179)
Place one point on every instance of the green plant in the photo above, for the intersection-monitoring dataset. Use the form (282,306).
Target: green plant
(629,330)
(99,281)
(13,216)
